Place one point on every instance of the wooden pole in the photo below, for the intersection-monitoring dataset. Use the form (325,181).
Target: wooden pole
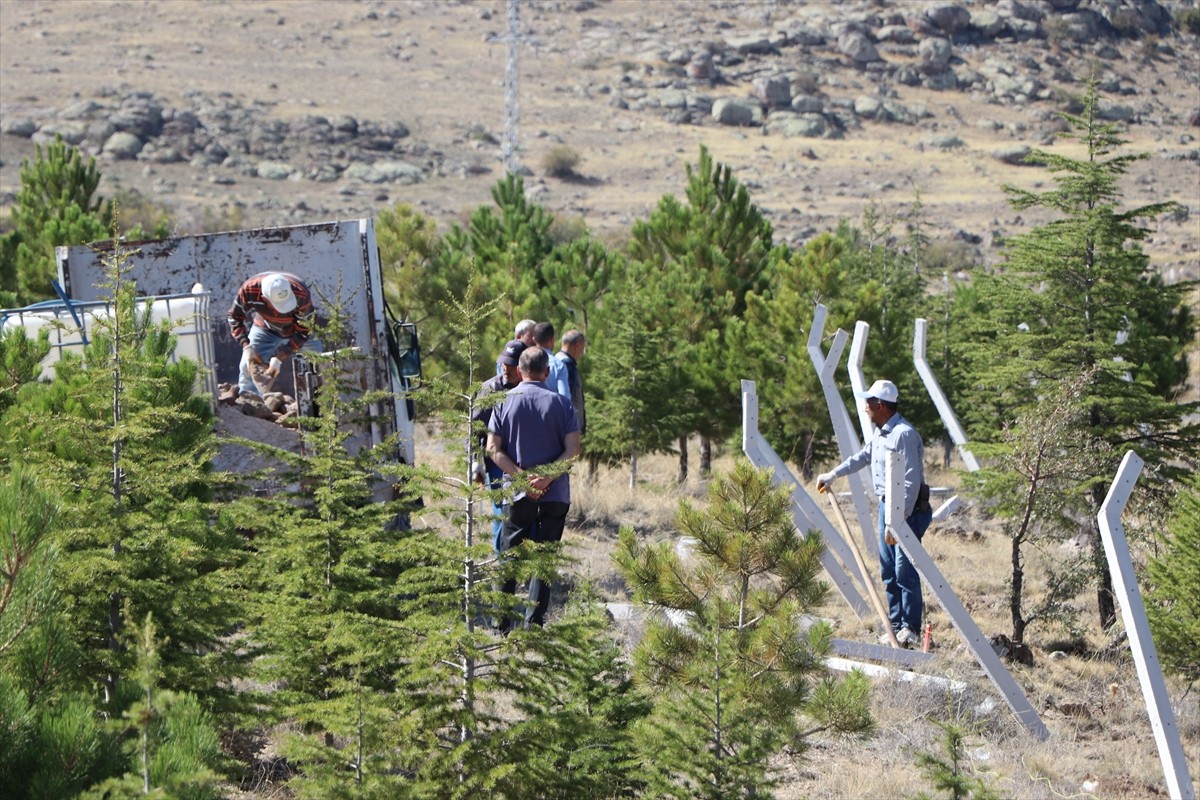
(858,558)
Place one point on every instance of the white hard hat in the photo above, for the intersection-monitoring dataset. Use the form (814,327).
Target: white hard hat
(881,390)
(278,291)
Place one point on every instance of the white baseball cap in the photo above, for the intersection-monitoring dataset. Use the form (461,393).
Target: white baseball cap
(278,291)
(881,390)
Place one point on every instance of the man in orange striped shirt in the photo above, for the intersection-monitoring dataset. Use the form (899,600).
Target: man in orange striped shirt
(272,317)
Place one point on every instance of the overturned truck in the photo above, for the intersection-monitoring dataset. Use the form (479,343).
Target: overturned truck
(192,280)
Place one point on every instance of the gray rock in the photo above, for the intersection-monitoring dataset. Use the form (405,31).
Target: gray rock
(700,103)
(730,111)
(799,32)
(673,98)
(752,43)
(100,130)
(948,17)
(790,125)
(1082,26)
(988,22)
(274,170)
(80,109)
(773,91)
(701,67)
(1024,29)
(807,104)
(934,53)
(386,172)
(71,132)
(858,46)
(1113,112)
(943,141)
(18,126)
(896,34)
(1012,154)
(941,81)
(1019,9)
(867,106)
(123,145)
(139,114)
(344,123)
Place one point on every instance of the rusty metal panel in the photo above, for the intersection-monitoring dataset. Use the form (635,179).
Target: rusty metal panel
(329,257)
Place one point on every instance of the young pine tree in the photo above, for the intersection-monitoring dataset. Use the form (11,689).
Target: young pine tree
(1036,482)
(1174,604)
(948,771)
(732,672)
(56,205)
(1076,294)
(331,564)
(127,442)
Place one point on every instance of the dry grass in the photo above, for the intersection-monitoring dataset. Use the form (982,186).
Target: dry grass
(1101,742)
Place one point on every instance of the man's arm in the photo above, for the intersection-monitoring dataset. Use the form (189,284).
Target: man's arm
(852,464)
(570,452)
(495,451)
(910,448)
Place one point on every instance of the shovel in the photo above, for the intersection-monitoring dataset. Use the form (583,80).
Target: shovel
(858,558)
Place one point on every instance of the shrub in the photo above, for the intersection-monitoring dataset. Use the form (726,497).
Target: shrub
(560,161)
(1189,21)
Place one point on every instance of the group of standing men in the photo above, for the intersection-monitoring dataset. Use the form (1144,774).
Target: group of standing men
(532,437)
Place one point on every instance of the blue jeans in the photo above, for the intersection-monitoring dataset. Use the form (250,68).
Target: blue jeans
(901,581)
(266,344)
(494,482)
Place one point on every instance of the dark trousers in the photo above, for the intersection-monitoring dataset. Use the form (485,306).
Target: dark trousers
(536,522)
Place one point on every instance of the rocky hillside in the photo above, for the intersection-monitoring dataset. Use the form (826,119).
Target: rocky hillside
(275,113)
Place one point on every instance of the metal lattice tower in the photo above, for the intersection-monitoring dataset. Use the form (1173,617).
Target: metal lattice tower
(512,109)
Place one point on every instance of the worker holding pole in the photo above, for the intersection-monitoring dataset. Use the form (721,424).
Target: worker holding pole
(901,581)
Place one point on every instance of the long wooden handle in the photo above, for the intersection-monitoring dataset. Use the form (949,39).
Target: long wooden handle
(858,558)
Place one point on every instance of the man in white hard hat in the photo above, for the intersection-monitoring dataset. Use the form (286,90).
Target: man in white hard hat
(901,581)
(272,317)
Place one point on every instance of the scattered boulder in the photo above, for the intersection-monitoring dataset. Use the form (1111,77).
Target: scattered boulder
(1013,154)
(807,104)
(274,170)
(934,53)
(702,67)
(950,18)
(123,145)
(790,124)
(773,91)
(859,47)
(730,111)
(18,126)
(943,141)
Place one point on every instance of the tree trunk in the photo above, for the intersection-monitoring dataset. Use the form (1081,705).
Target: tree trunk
(1106,607)
(1018,582)
(705,457)
(683,459)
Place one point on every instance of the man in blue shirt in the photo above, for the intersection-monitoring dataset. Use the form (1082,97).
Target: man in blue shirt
(534,436)
(901,581)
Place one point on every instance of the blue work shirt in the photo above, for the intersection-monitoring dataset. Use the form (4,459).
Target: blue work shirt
(898,435)
(533,423)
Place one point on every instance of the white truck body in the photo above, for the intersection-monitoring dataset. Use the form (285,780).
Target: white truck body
(339,261)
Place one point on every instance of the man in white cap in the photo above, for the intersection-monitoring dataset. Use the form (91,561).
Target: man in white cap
(901,581)
(271,317)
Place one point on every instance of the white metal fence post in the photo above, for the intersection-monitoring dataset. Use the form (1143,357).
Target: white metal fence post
(1133,612)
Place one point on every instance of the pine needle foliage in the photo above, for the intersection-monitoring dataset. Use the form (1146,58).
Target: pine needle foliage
(730,665)
(949,771)
(56,205)
(1076,294)
(171,744)
(1036,481)
(1174,604)
(330,571)
(128,443)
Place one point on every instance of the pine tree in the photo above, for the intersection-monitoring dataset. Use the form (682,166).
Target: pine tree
(331,560)
(948,771)
(170,740)
(1173,607)
(55,206)
(637,385)
(122,434)
(735,671)
(1076,294)
(720,241)
(1036,483)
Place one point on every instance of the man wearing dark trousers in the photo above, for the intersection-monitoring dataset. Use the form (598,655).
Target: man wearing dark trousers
(534,428)
(901,581)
